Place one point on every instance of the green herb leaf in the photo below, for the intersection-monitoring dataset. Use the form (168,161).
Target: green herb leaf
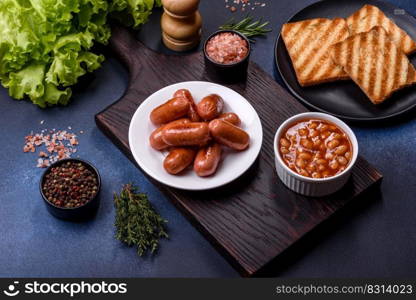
(137,223)
(247,27)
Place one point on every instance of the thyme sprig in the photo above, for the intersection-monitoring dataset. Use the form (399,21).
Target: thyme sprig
(247,27)
(137,223)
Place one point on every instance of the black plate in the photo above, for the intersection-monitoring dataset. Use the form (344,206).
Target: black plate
(344,99)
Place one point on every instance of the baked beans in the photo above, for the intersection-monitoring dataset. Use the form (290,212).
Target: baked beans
(315,148)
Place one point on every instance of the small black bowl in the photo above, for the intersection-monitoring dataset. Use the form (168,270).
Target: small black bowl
(78,213)
(227,73)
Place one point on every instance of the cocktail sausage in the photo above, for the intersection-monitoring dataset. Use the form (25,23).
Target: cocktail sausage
(229,135)
(178,160)
(207,160)
(170,111)
(210,107)
(190,134)
(231,118)
(155,138)
(192,113)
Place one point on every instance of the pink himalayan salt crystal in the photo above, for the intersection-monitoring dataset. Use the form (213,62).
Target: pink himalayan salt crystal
(227,48)
(54,145)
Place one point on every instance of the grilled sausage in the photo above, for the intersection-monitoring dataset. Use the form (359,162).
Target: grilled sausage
(210,107)
(170,111)
(231,118)
(207,160)
(229,135)
(190,134)
(155,138)
(178,160)
(192,113)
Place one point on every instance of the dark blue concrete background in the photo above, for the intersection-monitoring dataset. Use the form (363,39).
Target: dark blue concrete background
(377,240)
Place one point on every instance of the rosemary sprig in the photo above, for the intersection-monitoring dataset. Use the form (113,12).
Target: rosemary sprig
(247,27)
(137,223)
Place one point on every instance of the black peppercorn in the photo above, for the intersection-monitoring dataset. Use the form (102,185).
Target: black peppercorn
(70,185)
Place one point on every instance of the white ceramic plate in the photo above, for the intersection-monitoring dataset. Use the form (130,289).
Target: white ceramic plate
(233,164)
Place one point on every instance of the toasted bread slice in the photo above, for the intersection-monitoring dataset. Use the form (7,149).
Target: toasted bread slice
(375,63)
(308,42)
(369,16)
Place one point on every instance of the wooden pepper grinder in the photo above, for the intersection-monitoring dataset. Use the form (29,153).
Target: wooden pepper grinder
(181,24)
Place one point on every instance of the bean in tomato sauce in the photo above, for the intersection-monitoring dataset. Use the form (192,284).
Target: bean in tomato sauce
(315,148)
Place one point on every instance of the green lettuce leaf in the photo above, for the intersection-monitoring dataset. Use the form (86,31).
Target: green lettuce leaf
(28,81)
(133,12)
(46,45)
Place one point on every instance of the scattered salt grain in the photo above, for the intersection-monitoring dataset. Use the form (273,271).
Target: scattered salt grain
(241,5)
(42,154)
(52,143)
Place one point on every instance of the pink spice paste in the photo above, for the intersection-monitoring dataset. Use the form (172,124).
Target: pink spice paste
(227,48)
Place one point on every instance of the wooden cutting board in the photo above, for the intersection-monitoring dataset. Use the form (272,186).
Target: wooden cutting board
(255,218)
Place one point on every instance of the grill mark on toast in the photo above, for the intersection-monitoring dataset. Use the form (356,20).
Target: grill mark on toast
(290,31)
(299,39)
(373,16)
(290,37)
(322,54)
(343,49)
(366,63)
(307,50)
(396,72)
(363,19)
(355,54)
(392,54)
(361,59)
(378,67)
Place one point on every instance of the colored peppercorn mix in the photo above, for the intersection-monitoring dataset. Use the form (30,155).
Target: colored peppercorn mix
(70,185)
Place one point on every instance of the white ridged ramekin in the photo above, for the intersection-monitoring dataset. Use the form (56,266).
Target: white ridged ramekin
(314,187)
